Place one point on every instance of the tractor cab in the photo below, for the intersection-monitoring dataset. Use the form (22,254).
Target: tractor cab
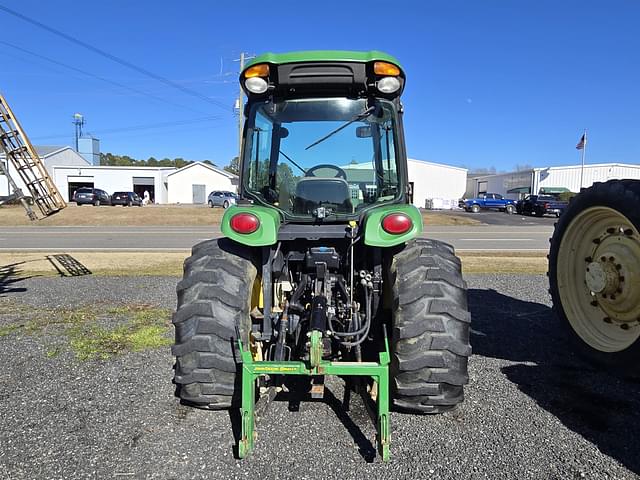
(323,139)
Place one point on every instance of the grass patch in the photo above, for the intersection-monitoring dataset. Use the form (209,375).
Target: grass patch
(527,262)
(146,328)
(98,263)
(8,329)
(95,332)
(151,215)
(169,215)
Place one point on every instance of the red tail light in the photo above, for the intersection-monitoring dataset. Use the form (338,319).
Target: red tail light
(244,223)
(396,223)
(546,206)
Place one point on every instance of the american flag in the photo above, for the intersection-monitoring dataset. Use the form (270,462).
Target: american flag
(583,142)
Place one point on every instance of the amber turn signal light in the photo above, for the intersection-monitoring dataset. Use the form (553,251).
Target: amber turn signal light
(259,70)
(386,68)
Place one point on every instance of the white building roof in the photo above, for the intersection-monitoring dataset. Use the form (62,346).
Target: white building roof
(206,165)
(443,165)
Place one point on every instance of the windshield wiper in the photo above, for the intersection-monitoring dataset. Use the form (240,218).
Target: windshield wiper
(291,160)
(360,116)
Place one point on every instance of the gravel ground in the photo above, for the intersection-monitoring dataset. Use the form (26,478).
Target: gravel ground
(531,409)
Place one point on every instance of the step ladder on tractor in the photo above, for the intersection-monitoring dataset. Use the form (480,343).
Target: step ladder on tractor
(19,153)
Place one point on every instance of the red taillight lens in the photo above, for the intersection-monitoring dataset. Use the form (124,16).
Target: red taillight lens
(396,223)
(546,205)
(244,223)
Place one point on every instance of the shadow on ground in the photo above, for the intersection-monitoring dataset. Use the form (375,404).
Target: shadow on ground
(10,275)
(604,409)
(363,412)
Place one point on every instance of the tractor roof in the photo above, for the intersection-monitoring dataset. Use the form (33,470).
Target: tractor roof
(324,56)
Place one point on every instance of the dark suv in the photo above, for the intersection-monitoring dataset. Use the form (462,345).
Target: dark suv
(126,199)
(93,196)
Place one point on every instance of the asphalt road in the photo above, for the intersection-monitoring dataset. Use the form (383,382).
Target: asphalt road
(483,237)
(532,410)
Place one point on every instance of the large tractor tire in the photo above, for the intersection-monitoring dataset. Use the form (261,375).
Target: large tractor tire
(431,322)
(594,273)
(214,298)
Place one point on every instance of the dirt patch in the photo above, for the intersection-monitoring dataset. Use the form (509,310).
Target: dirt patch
(164,215)
(441,218)
(75,264)
(88,215)
(507,262)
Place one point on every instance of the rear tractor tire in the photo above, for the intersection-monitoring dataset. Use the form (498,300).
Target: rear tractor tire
(431,322)
(594,274)
(214,297)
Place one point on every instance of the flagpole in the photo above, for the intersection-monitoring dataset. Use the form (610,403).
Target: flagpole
(584,151)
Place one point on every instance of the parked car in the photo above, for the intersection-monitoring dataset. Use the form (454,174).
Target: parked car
(93,196)
(220,198)
(490,201)
(540,205)
(126,199)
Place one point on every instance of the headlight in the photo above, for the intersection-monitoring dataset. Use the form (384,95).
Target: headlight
(256,85)
(388,84)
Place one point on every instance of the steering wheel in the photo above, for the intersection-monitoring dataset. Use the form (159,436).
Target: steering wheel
(340,173)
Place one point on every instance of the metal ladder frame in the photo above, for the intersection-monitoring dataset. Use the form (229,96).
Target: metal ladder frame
(18,150)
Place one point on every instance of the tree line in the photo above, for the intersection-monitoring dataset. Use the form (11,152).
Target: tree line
(110,159)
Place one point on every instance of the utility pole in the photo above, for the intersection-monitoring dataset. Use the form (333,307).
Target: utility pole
(240,102)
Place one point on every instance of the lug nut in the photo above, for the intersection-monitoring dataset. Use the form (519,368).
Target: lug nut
(611,259)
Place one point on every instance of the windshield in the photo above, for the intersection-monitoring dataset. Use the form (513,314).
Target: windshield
(321,158)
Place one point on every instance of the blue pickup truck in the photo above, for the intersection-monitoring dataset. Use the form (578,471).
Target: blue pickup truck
(492,201)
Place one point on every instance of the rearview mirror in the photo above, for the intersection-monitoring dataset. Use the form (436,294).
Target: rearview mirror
(363,132)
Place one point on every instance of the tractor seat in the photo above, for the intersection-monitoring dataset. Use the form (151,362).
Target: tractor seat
(313,192)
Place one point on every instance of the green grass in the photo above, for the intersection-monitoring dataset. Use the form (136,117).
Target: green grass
(95,332)
(8,329)
(145,329)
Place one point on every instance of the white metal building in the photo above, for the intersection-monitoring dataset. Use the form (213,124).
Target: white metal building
(194,182)
(435,185)
(516,184)
(113,179)
(50,156)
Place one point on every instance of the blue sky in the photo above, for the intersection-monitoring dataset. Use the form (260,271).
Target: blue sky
(490,83)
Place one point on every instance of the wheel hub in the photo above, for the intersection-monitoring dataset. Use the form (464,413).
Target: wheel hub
(599,278)
(602,277)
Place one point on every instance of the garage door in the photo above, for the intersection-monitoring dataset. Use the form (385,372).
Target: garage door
(199,193)
(74,183)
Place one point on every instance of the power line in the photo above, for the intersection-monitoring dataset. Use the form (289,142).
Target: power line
(137,127)
(103,79)
(118,60)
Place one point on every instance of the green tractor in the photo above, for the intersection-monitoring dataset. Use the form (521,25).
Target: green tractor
(321,270)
